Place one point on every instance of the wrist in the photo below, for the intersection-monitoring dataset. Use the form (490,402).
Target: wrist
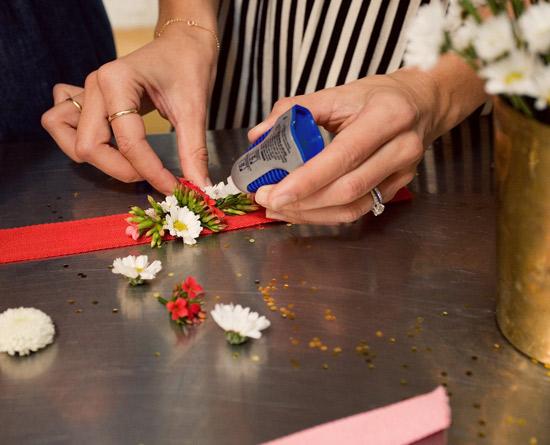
(429,99)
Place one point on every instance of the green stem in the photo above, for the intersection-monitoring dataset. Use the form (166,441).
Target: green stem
(470,9)
(234,338)
(517,6)
(519,103)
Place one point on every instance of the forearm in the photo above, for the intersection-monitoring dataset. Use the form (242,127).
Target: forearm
(449,92)
(202,11)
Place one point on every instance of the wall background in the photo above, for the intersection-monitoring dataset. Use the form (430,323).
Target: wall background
(132,13)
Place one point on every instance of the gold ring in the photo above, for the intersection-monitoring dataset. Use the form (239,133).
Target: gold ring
(76,104)
(113,116)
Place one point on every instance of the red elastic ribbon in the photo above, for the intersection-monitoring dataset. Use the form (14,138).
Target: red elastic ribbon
(42,241)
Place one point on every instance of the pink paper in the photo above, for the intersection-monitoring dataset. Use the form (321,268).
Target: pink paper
(419,420)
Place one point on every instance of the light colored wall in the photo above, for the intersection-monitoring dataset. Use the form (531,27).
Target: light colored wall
(126,14)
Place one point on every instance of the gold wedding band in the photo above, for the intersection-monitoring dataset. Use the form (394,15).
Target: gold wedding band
(75,103)
(113,116)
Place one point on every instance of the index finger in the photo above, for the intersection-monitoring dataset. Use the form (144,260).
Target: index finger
(129,130)
(375,125)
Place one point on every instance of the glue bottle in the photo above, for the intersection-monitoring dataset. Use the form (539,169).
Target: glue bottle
(293,140)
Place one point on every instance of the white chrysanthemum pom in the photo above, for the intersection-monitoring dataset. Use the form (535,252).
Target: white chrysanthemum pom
(222,190)
(535,26)
(137,269)
(425,36)
(494,38)
(183,223)
(25,330)
(239,323)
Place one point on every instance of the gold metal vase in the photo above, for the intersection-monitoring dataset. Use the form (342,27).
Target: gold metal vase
(522,158)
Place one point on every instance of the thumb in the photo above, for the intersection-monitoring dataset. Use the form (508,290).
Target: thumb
(193,153)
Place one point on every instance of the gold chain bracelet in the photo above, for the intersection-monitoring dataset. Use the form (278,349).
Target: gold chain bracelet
(191,23)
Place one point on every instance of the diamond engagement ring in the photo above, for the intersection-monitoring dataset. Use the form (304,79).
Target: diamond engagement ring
(377,206)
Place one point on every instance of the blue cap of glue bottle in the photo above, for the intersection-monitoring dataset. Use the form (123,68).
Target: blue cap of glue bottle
(293,140)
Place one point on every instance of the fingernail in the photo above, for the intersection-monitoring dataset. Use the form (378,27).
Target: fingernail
(274,215)
(280,201)
(261,197)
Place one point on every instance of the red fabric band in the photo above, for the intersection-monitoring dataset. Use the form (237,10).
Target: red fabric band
(105,232)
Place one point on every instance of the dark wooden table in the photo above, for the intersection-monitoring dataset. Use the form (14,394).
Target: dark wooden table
(417,284)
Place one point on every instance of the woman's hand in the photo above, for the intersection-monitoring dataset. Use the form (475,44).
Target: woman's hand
(382,124)
(173,74)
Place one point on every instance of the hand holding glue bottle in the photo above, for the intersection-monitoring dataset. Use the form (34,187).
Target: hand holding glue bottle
(292,141)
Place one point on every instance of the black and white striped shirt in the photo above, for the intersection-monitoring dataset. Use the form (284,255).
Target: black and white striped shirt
(276,48)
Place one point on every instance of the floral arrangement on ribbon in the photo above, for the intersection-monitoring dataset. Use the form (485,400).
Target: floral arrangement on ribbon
(186,304)
(505,41)
(188,211)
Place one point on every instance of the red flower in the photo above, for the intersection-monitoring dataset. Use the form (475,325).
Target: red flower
(194,309)
(209,201)
(191,286)
(178,308)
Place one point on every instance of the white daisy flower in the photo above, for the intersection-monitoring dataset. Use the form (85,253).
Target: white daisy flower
(183,223)
(169,203)
(25,330)
(150,212)
(542,80)
(239,323)
(494,38)
(222,190)
(136,269)
(511,75)
(425,36)
(534,23)
(464,35)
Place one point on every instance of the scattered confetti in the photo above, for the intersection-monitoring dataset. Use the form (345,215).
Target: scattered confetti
(236,355)
(170,274)
(329,316)
(255,358)
(95,302)
(337,350)
(325,365)
(251,240)
(157,354)
(115,310)
(71,301)
(295,363)
(403,382)
(294,341)
(444,313)
(379,334)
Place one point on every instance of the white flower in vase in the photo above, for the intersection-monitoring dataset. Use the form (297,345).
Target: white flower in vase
(494,38)
(183,223)
(425,36)
(515,75)
(136,269)
(464,35)
(534,24)
(25,330)
(542,80)
(222,189)
(239,323)
(169,203)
